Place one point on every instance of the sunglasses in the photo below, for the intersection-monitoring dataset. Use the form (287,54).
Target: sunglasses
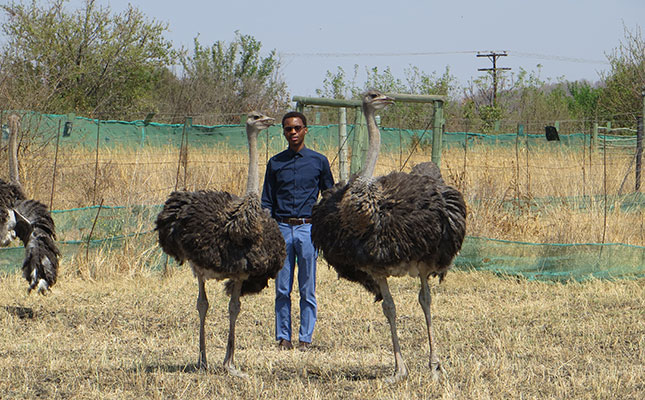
(296,128)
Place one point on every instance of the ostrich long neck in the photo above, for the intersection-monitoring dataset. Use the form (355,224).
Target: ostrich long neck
(374,137)
(252,185)
(14,125)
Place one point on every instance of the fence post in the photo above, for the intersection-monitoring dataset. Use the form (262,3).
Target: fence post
(183,151)
(594,136)
(639,143)
(520,132)
(146,122)
(639,152)
(359,144)
(343,171)
(96,163)
(437,132)
(51,196)
(604,138)
(14,130)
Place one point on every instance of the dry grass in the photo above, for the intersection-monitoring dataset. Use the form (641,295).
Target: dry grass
(113,328)
(502,188)
(135,336)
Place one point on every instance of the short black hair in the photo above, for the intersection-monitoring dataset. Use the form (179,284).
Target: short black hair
(295,114)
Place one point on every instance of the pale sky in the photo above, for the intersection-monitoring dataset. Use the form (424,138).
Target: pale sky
(569,38)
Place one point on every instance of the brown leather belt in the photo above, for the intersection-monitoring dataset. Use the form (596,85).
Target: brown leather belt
(294,221)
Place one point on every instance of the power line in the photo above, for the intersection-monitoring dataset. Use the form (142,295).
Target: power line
(520,54)
(557,58)
(339,55)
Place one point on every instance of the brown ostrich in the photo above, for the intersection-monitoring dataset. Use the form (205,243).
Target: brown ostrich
(224,236)
(394,225)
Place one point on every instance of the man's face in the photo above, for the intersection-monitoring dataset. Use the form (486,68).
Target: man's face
(294,131)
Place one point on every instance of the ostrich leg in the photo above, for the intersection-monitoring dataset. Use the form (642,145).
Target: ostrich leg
(424,300)
(233,311)
(202,307)
(389,309)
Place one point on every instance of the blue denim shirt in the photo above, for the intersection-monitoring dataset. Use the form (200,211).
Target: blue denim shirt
(292,182)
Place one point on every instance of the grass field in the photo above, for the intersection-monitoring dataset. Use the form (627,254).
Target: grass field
(135,336)
(114,329)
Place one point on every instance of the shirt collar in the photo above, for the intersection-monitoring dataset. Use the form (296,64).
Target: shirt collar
(296,154)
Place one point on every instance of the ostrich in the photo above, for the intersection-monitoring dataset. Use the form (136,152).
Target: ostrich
(30,221)
(224,236)
(372,228)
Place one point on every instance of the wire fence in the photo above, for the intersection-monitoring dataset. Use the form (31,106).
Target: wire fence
(133,165)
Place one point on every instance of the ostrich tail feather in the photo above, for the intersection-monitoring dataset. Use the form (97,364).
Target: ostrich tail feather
(40,266)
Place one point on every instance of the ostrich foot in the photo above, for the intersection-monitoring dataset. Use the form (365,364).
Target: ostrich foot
(202,364)
(437,370)
(235,372)
(399,376)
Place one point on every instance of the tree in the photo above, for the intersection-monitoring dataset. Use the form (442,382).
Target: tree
(584,100)
(335,85)
(621,98)
(89,61)
(229,79)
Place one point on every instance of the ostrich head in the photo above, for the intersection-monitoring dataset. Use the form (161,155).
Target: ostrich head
(373,100)
(255,122)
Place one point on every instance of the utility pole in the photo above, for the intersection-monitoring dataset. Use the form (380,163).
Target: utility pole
(493,57)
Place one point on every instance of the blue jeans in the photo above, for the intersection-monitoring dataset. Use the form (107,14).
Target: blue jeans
(300,248)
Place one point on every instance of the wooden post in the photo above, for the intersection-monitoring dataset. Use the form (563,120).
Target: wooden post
(639,143)
(183,151)
(526,148)
(594,136)
(520,130)
(359,144)
(189,124)
(639,151)
(96,164)
(146,122)
(51,197)
(14,130)
(343,170)
(437,132)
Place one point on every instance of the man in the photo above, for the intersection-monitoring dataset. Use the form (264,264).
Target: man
(292,182)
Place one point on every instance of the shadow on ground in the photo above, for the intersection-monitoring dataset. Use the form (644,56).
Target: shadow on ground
(20,312)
